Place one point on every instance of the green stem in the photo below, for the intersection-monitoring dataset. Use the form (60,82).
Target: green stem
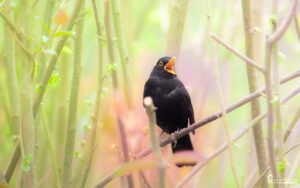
(255,108)
(122,48)
(72,117)
(176,28)
(95,116)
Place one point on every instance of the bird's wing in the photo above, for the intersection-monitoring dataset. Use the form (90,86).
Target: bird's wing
(149,87)
(185,101)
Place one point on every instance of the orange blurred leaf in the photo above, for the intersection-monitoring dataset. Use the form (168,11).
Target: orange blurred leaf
(61,17)
(135,166)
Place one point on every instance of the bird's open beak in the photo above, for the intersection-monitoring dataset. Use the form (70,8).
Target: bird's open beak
(170,66)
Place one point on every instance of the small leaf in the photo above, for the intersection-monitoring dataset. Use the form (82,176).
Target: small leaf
(45,26)
(258,29)
(111,67)
(135,166)
(281,58)
(273,19)
(54,79)
(78,154)
(61,17)
(63,33)
(275,100)
(281,166)
(26,163)
(38,88)
(67,50)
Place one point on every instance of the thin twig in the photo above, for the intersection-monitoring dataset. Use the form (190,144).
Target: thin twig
(13,163)
(225,118)
(246,59)
(291,125)
(273,38)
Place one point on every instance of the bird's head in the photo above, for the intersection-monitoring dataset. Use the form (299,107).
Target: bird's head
(165,66)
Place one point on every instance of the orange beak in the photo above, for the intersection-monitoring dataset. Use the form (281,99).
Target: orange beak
(170,66)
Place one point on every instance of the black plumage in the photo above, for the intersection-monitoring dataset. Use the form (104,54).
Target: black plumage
(174,108)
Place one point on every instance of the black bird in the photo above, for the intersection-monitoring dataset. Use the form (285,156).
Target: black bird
(174,108)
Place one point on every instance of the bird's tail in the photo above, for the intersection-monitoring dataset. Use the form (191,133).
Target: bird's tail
(183,144)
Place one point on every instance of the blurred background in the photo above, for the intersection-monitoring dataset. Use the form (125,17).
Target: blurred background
(201,64)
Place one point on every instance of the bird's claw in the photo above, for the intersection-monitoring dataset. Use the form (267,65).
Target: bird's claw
(174,135)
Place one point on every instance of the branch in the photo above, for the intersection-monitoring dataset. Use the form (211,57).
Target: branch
(246,59)
(150,109)
(273,38)
(250,46)
(297,26)
(73,105)
(12,26)
(178,12)
(51,64)
(95,116)
(13,163)
(225,146)
(292,125)
(207,120)
(122,48)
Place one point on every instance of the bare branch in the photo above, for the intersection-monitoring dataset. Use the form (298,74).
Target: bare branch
(150,109)
(273,38)
(246,59)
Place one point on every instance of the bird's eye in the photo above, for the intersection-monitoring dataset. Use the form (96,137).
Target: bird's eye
(161,63)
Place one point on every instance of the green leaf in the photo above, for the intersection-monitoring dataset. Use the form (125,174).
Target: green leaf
(135,166)
(63,33)
(275,100)
(258,29)
(281,58)
(54,79)
(66,50)
(273,19)
(78,154)
(26,163)
(45,26)
(281,166)
(111,67)
(38,88)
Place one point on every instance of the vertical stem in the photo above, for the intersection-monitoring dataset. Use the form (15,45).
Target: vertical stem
(277,106)
(270,116)
(176,26)
(12,78)
(72,119)
(112,57)
(122,48)
(150,109)
(111,51)
(98,98)
(255,108)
